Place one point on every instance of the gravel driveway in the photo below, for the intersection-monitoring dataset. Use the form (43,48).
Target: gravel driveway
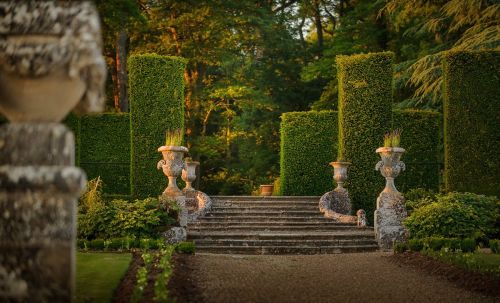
(359,277)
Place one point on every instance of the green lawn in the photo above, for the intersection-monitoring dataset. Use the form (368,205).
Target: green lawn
(98,274)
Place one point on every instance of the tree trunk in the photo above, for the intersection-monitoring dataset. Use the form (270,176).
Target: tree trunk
(114,78)
(319,25)
(121,70)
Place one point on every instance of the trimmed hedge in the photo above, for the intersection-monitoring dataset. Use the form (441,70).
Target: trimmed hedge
(105,150)
(156,94)
(365,115)
(420,139)
(72,121)
(472,122)
(308,145)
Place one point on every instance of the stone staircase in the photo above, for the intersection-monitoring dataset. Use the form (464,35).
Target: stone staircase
(275,225)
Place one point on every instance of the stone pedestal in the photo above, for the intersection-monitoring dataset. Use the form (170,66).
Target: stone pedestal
(389,218)
(39,187)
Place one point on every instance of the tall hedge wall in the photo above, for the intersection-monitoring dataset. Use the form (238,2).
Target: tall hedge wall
(421,140)
(105,150)
(365,113)
(308,144)
(472,122)
(72,121)
(156,94)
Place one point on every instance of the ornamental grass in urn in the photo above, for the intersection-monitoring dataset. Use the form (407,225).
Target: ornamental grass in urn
(172,164)
(390,165)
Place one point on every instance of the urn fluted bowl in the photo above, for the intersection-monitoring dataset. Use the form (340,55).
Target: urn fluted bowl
(189,173)
(390,165)
(172,166)
(340,172)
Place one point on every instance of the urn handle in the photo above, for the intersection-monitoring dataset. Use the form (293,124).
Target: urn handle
(160,164)
(379,165)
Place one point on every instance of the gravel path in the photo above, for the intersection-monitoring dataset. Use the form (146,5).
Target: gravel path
(360,277)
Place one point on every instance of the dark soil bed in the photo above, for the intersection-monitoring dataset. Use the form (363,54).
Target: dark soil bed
(181,285)
(484,283)
(123,292)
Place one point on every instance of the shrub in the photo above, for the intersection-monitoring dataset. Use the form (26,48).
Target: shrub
(97,244)
(434,243)
(156,90)
(471,119)
(421,140)
(468,245)
(105,150)
(365,113)
(308,145)
(418,197)
(400,247)
(415,244)
(185,248)
(495,246)
(459,215)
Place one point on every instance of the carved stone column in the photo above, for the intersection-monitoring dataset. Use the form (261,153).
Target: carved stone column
(50,62)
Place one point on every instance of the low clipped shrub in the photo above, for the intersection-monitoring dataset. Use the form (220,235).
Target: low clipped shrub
(185,248)
(455,215)
(400,247)
(435,243)
(97,244)
(415,244)
(468,245)
(495,246)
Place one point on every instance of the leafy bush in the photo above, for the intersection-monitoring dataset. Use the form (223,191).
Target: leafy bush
(418,197)
(156,89)
(185,248)
(308,145)
(495,246)
(97,244)
(460,215)
(468,245)
(400,247)
(471,119)
(415,244)
(98,218)
(365,114)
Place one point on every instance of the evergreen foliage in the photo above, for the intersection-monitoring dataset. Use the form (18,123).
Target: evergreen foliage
(471,122)
(308,145)
(156,89)
(421,140)
(365,113)
(105,152)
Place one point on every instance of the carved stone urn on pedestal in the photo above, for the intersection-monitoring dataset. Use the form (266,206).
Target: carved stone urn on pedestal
(50,61)
(172,166)
(340,172)
(189,173)
(391,210)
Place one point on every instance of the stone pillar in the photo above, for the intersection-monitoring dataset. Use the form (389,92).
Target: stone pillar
(39,189)
(50,63)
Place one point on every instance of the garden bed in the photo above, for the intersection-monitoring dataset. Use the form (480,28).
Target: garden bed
(483,282)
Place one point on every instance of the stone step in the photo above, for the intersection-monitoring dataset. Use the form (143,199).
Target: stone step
(216,199)
(302,243)
(285,250)
(284,228)
(256,235)
(311,208)
(265,203)
(247,218)
(284,213)
(266,223)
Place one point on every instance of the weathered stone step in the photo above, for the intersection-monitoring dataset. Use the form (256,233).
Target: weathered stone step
(247,218)
(291,228)
(285,250)
(216,199)
(265,203)
(267,223)
(302,243)
(361,234)
(311,208)
(291,213)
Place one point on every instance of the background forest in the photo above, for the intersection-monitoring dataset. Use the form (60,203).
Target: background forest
(252,60)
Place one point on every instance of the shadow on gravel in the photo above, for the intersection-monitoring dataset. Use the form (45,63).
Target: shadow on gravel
(181,285)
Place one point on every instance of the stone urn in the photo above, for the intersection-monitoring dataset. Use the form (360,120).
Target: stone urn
(340,172)
(391,211)
(189,173)
(390,166)
(172,166)
(266,190)
(50,60)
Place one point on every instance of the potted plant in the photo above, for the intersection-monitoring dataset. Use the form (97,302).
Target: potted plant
(189,173)
(390,166)
(172,164)
(266,189)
